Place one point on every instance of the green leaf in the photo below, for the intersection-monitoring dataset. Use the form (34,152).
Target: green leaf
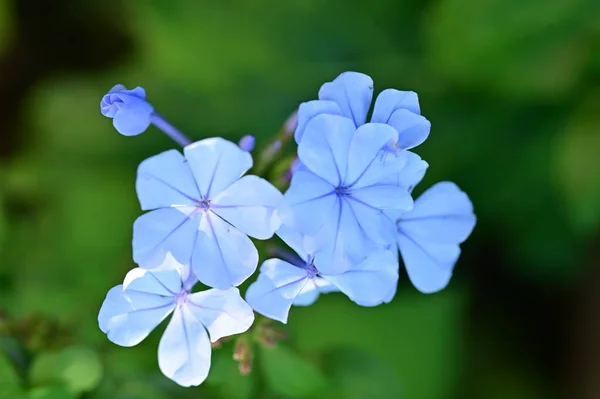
(225,378)
(289,375)
(78,368)
(10,384)
(357,374)
(51,392)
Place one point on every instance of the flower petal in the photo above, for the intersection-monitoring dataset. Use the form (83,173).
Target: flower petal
(161,231)
(368,205)
(340,243)
(308,110)
(184,349)
(311,291)
(368,283)
(429,265)
(307,202)
(165,280)
(134,115)
(442,214)
(222,312)
(412,129)
(128,319)
(223,256)
(366,164)
(165,180)
(391,100)
(353,92)
(249,204)
(295,240)
(412,173)
(276,288)
(324,147)
(216,163)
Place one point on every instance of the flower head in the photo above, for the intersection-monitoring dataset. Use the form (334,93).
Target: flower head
(282,284)
(203,210)
(340,193)
(429,236)
(132,310)
(130,111)
(350,95)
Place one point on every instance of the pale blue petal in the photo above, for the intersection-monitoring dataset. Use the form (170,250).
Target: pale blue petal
(223,256)
(295,240)
(353,92)
(307,202)
(365,157)
(324,147)
(161,231)
(165,180)
(442,214)
(165,280)
(276,288)
(368,205)
(128,319)
(391,100)
(412,129)
(368,283)
(134,115)
(184,349)
(309,110)
(312,289)
(412,173)
(341,242)
(392,293)
(249,204)
(429,265)
(216,163)
(222,312)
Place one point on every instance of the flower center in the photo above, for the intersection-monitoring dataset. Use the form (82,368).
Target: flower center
(204,204)
(311,270)
(342,191)
(181,298)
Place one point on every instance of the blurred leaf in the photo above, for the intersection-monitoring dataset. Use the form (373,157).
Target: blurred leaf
(578,166)
(225,378)
(289,375)
(357,374)
(514,47)
(6,25)
(52,392)
(77,367)
(10,383)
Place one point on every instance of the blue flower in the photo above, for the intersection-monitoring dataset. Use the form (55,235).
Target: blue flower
(429,235)
(202,211)
(350,95)
(339,195)
(247,142)
(282,284)
(130,111)
(146,297)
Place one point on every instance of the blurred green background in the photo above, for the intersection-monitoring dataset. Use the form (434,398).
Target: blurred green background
(512,88)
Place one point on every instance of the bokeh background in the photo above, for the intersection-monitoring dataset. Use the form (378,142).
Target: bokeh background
(512,88)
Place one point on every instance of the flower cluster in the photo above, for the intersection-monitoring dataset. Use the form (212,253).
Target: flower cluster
(347,212)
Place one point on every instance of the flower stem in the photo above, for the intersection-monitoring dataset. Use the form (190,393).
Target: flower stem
(170,130)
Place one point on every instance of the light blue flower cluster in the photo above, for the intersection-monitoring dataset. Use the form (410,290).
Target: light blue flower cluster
(346,213)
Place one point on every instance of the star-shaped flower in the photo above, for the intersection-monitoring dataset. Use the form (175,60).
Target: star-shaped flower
(282,284)
(202,211)
(130,111)
(132,310)
(340,194)
(350,95)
